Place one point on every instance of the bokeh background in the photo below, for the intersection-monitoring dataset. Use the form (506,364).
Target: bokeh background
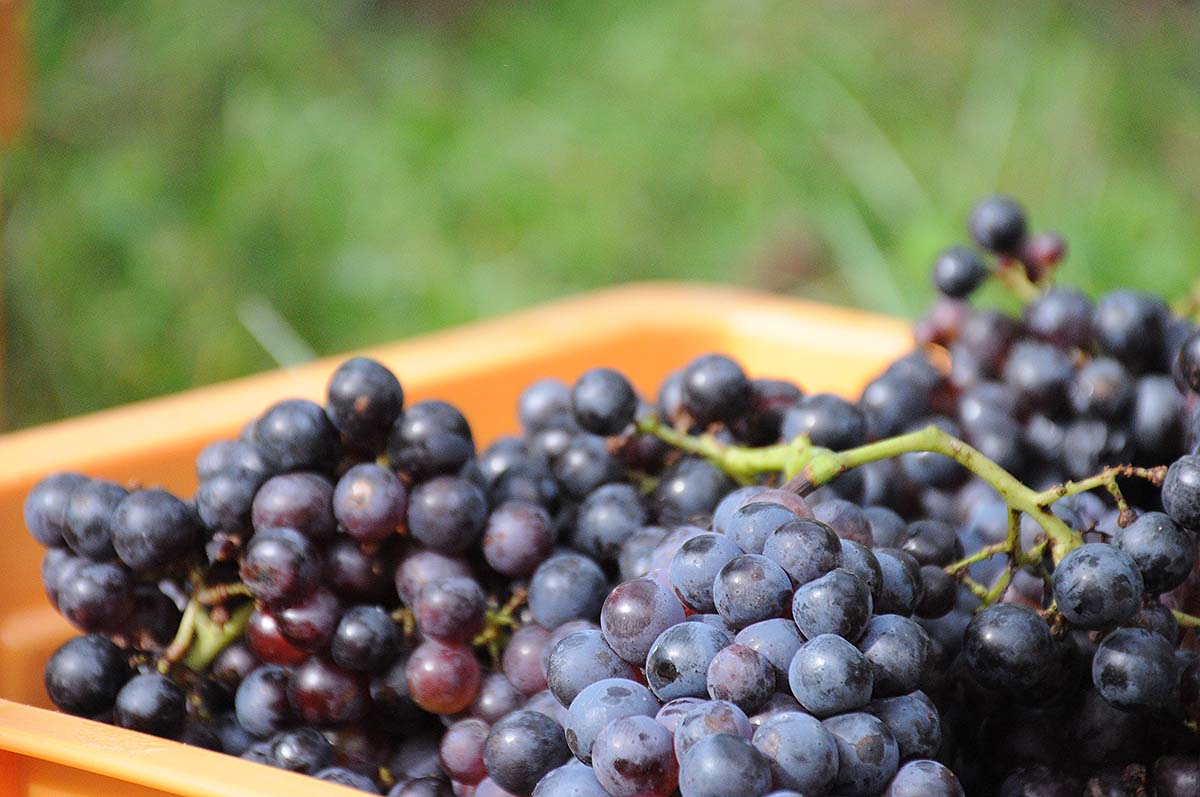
(207,188)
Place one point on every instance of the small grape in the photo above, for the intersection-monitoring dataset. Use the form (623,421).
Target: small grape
(151,703)
(836,603)
(366,640)
(443,679)
(447,513)
(310,622)
(828,675)
(369,503)
(777,640)
(88,529)
(1135,669)
(897,650)
(868,756)
(997,223)
(581,658)
(567,586)
(1097,585)
(461,751)
(45,508)
(722,764)
(545,404)
(321,693)
(695,566)
(84,676)
(301,750)
(752,523)
(521,748)
(924,778)
(1163,552)
(295,434)
(742,676)
(751,588)
(450,609)
(634,757)
(802,754)
(518,537)
(634,614)
(913,720)
(1008,648)
(714,388)
(958,271)
(364,400)
(431,438)
(603,402)
(280,565)
(601,703)
(677,664)
(607,518)
(805,549)
(1181,492)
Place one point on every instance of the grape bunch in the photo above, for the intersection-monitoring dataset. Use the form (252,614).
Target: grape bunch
(980,577)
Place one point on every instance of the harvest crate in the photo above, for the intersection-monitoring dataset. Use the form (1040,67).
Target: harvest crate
(645,330)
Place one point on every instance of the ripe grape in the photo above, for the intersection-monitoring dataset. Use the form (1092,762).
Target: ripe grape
(45,508)
(924,778)
(601,703)
(635,757)
(88,529)
(608,516)
(1008,648)
(752,523)
(801,753)
(1135,669)
(677,664)
(321,693)
(567,586)
(836,603)
(280,565)
(913,721)
(85,674)
(151,703)
(997,223)
(443,679)
(447,514)
(1097,585)
(751,588)
(714,387)
(868,756)
(603,401)
(777,640)
(521,748)
(369,503)
(295,434)
(364,399)
(522,661)
(461,751)
(897,650)
(366,640)
(828,675)
(581,658)
(430,438)
(958,271)
(742,676)
(518,537)
(723,764)
(633,616)
(696,564)
(450,609)
(805,549)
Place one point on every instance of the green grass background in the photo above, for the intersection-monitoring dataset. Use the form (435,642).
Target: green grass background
(362,171)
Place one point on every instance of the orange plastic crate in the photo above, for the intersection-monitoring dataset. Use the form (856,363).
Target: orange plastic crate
(646,330)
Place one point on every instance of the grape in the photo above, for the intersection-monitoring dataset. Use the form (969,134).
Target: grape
(224,502)
(461,751)
(1157,422)
(633,616)
(752,523)
(714,388)
(366,640)
(1163,552)
(565,587)
(422,567)
(151,703)
(522,661)
(1181,491)
(59,567)
(295,434)
(861,561)
(740,675)
(932,542)
(1040,373)
(900,587)
(224,455)
(802,754)
(301,750)
(356,574)
(673,711)
(545,404)
(232,665)
(88,529)
(1135,669)
(777,640)
(443,679)
(1097,585)
(497,697)
(369,503)
(601,703)
(363,748)
(99,597)
(268,642)
(450,609)
(828,675)
(431,438)
(321,693)
(892,402)
(523,747)
(846,519)
(529,481)
(836,603)
(310,622)
(546,703)
(581,658)
(502,455)
(392,706)
(997,223)
(415,756)
(784,498)
(732,502)
(447,513)
(364,399)
(45,508)
(939,592)
(1062,316)
(924,778)
(958,271)
(805,549)
(751,588)
(85,674)
(344,777)
(570,780)
(829,421)
(722,764)
(1130,326)
(584,465)
(689,491)
(1176,776)
(678,661)
(897,650)
(1103,388)
(518,537)
(868,756)
(1040,781)
(1008,648)
(634,757)
(913,721)
(695,566)
(608,516)
(603,401)
(280,565)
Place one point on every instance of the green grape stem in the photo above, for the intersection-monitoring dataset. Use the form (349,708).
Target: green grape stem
(200,637)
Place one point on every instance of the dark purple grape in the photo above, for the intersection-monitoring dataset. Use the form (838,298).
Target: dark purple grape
(707,718)
(751,588)
(939,592)
(522,660)
(523,747)
(443,679)
(1097,585)
(431,438)
(369,503)
(450,610)
(392,706)
(732,502)
(233,664)
(900,589)
(828,676)
(868,756)
(88,528)
(518,537)
(1135,670)
(924,778)
(321,693)
(416,755)
(99,597)
(224,501)
(751,524)
(461,751)
(300,501)
(585,464)
(301,750)
(603,401)
(695,566)
(225,455)
(742,676)
(997,223)
(897,650)
(723,764)
(1157,420)
(268,642)
(1181,491)
(1008,648)
(59,567)
(932,542)
(607,518)
(673,712)
(295,434)
(151,703)
(635,757)
(45,508)
(1102,388)
(777,640)
(357,574)
(827,420)
(802,754)
(447,514)
(1131,326)
(85,674)
(581,658)
(567,586)
(1163,552)
(634,614)
(861,561)
(310,622)
(769,400)
(364,398)
(678,661)
(958,271)
(1062,316)
(545,404)
(689,491)
(497,697)
(280,566)
(805,549)
(601,703)
(892,403)
(366,640)
(836,603)
(713,388)
(421,567)
(913,720)
(847,520)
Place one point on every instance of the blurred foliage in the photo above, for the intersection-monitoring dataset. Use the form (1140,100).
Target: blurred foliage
(369,170)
